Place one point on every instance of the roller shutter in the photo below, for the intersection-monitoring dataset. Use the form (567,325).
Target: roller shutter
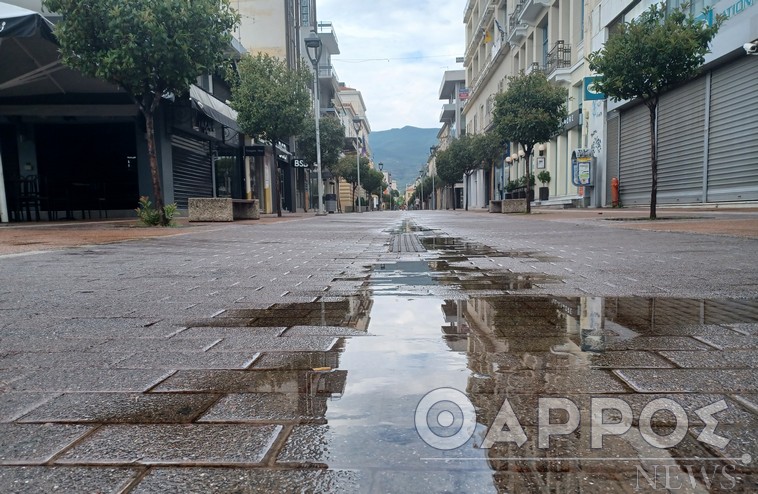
(733,146)
(192,169)
(634,156)
(681,144)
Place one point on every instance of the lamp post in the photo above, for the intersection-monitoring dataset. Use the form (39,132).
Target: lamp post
(313,49)
(381,192)
(357,124)
(421,179)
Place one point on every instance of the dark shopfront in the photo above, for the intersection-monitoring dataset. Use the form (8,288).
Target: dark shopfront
(69,170)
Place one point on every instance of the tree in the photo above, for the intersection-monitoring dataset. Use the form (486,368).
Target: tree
(649,55)
(484,150)
(449,168)
(531,110)
(149,48)
(272,100)
(346,168)
(331,136)
(372,181)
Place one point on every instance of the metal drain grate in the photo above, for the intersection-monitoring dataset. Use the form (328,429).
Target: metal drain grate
(406,242)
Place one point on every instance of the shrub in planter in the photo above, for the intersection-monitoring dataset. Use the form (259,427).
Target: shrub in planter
(544,178)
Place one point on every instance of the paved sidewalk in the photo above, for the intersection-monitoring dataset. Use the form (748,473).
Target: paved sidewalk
(289,355)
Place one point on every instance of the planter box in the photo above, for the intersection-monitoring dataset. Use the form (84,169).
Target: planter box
(544,193)
(214,209)
(514,206)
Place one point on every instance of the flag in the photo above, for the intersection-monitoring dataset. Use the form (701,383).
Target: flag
(499,28)
(487,36)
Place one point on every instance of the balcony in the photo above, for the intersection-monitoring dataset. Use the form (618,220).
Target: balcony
(328,37)
(517,30)
(534,67)
(559,57)
(327,72)
(448,113)
(532,10)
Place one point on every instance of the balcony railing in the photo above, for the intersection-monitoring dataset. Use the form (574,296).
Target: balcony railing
(327,72)
(513,18)
(559,57)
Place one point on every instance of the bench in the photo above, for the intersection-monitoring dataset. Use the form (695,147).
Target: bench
(222,209)
(496,206)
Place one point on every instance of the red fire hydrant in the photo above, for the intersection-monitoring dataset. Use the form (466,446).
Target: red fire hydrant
(615,192)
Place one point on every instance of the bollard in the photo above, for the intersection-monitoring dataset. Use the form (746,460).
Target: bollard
(615,192)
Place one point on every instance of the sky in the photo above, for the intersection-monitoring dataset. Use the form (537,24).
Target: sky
(395,53)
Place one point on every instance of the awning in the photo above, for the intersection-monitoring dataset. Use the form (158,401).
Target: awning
(214,108)
(17,22)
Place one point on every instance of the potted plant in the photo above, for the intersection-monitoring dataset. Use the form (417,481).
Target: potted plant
(509,188)
(544,177)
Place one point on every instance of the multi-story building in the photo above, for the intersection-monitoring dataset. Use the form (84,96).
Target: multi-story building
(506,38)
(352,113)
(706,128)
(452,90)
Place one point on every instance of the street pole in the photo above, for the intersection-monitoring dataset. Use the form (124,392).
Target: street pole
(357,124)
(313,43)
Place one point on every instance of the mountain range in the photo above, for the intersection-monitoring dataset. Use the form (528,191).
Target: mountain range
(403,151)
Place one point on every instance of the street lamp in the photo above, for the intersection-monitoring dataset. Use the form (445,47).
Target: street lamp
(381,192)
(313,48)
(357,124)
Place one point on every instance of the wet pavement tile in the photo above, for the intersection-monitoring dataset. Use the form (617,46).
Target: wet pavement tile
(690,380)
(61,360)
(267,407)
(52,344)
(273,344)
(190,444)
(736,342)
(658,343)
(544,382)
(14,405)
(64,480)
(322,331)
(441,480)
(204,480)
(584,482)
(131,408)
(297,360)
(728,359)
(253,381)
(90,380)
(159,345)
(187,360)
(629,359)
(36,443)
(231,332)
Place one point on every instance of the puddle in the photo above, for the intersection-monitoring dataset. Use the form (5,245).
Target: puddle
(433,325)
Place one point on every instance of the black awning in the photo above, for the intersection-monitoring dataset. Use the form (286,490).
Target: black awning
(214,108)
(17,22)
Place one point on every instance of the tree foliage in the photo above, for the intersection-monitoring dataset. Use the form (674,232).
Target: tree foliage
(272,100)
(347,169)
(331,136)
(149,48)
(649,55)
(531,110)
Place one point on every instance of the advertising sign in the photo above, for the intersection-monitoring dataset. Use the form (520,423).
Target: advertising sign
(581,167)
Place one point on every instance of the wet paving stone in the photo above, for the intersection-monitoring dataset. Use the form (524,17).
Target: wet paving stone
(536,381)
(188,360)
(689,380)
(736,342)
(64,480)
(658,343)
(441,480)
(274,344)
(90,380)
(160,345)
(131,408)
(14,405)
(585,482)
(254,381)
(323,331)
(297,360)
(267,407)
(190,444)
(629,359)
(730,359)
(162,480)
(36,444)
(61,360)
(222,332)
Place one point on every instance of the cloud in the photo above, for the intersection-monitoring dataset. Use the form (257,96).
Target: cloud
(395,53)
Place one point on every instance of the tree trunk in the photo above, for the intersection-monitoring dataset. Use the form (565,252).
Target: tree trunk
(653,159)
(278,189)
(153,158)
(527,154)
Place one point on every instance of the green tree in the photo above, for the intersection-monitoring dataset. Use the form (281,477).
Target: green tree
(272,101)
(649,55)
(531,110)
(331,137)
(149,48)
(346,168)
(373,181)
(450,166)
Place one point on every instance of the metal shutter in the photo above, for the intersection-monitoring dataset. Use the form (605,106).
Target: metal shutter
(192,169)
(681,144)
(611,153)
(733,146)
(634,156)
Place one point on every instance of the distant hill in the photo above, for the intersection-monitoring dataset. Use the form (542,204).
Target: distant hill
(403,151)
